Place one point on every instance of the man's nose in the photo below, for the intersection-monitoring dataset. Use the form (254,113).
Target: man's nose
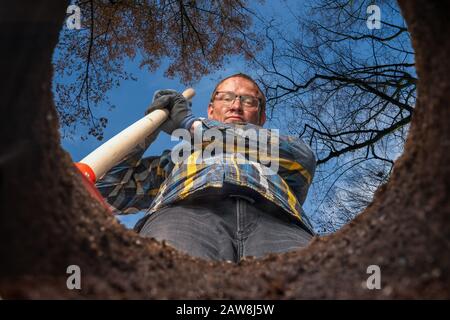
(236,105)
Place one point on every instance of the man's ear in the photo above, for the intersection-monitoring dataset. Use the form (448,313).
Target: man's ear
(210,111)
(262,118)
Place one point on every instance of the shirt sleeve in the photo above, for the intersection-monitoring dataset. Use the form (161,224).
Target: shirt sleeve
(298,167)
(131,185)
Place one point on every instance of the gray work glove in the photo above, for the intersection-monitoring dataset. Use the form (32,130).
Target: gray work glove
(180,113)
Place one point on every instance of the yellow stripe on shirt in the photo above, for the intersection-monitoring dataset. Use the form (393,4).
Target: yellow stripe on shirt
(292,200)
(285,163)
(238,176)
(295,166)
(191,170)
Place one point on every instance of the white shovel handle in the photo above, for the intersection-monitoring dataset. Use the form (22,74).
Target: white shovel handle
(102,159)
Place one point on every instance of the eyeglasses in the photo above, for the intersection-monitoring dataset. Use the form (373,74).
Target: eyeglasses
(227,98)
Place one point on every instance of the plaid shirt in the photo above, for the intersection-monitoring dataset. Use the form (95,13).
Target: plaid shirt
(152,183)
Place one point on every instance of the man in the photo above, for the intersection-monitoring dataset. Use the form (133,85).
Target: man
(218,208)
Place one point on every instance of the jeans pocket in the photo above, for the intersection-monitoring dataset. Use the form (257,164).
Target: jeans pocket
(148,219)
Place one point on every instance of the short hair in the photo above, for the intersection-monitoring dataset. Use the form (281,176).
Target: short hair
(262,100)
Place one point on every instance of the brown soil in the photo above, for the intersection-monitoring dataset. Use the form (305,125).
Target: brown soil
(47,221)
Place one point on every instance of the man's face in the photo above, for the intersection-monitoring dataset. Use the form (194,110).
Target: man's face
(235,112)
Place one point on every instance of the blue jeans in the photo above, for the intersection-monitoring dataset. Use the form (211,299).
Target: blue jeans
(227,228)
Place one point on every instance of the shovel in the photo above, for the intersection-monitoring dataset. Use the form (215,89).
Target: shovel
(102,159)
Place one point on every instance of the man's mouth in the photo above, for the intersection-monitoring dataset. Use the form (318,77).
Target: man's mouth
(235,117)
